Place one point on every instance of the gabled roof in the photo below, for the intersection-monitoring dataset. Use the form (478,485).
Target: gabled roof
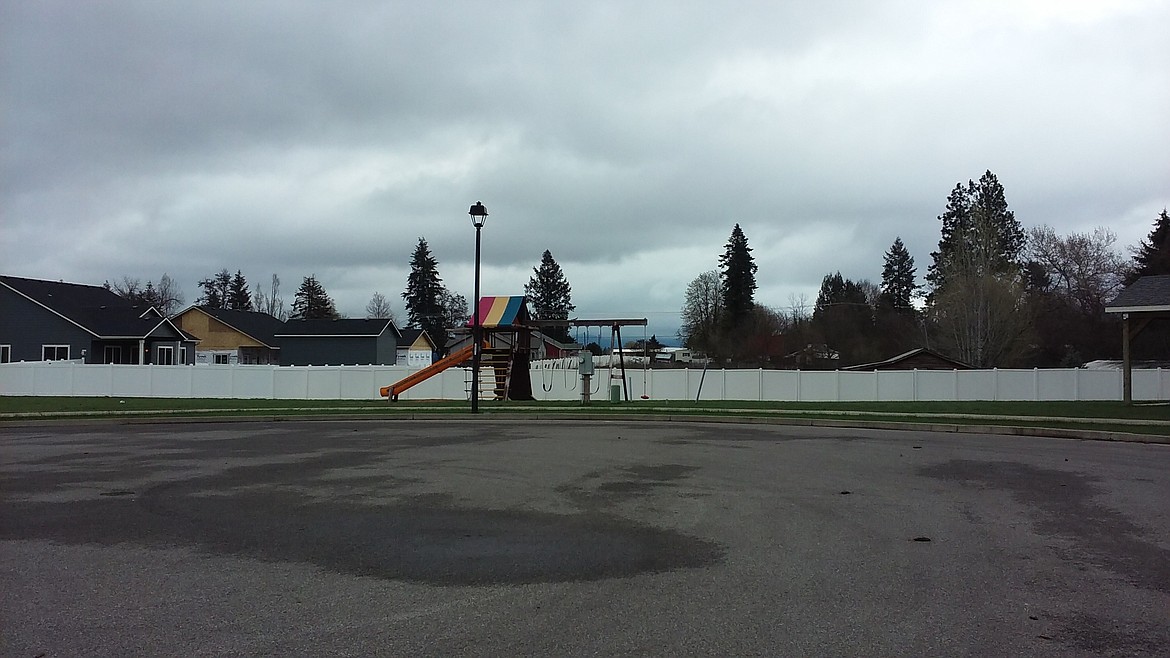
(409,336)
(95,309)
(1149,294)
(351,328)
(261,327)
(921,351)
(502,312)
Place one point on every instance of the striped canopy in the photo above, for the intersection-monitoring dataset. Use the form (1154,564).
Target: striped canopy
(500,312)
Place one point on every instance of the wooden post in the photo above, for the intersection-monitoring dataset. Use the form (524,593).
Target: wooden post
(1126,363)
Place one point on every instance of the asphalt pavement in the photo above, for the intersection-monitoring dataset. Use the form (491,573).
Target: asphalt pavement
(577,537)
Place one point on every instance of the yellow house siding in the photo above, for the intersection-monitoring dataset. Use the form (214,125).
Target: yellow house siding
(213,334)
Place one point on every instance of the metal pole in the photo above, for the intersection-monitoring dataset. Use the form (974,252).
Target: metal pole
(476,335)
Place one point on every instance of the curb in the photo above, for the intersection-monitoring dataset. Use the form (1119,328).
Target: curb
(501,417)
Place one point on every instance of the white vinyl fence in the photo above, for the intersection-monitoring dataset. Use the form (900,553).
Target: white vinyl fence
(560,383)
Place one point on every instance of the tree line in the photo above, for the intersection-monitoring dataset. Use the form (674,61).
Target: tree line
(430,305)
(995,295)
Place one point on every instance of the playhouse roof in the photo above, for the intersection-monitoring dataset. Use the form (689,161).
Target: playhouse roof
(499,312)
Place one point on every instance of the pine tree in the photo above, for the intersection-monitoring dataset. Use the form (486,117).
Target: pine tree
(550,295)
(898,285)
(977,277)
(980,235)
(738,276)
(216,290)
(239,298)
(312,302)
(1152,256)
(424,294)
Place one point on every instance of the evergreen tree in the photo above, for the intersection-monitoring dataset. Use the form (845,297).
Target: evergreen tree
(239,298)
(424,294)
(980,235)
(1152,256)
(312,302)
(976,279)
(550,295)
(843,317)
(898,285)
(217,290)
(738,276)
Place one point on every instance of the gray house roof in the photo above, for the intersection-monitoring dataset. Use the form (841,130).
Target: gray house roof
(1149,294)
(94,309)
(338,328)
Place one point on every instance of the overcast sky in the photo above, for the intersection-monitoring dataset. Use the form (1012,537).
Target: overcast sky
(325,138)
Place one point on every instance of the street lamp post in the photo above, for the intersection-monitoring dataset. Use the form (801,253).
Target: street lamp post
(478,218)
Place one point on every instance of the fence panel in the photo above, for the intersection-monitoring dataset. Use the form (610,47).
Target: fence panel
(362,382)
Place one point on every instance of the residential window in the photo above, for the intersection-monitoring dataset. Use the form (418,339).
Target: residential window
(113,354)
(5,354)
(54,352)
(166,355)
(183,354)
(222,359)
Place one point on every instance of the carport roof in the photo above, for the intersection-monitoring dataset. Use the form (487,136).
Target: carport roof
(1149,294)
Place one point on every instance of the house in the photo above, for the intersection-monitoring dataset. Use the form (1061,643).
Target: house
(338,342)
(917,359)
(230,336)
(416,349)
(54,320)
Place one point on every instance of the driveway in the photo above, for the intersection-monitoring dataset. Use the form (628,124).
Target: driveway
(577,538)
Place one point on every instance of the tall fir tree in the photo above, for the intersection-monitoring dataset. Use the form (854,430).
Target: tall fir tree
(898,285)
(312,302)
(738,277)
(424,294)
(239,297)
(980,236)
(1152,256)
(976,279)
(217,290)
(550,295)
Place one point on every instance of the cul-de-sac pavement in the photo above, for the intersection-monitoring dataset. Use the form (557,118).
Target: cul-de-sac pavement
(528,537)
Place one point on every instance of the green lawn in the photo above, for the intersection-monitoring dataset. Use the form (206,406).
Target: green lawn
(1145,418)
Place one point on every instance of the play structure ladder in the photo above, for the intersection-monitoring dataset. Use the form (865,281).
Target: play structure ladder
(495,374)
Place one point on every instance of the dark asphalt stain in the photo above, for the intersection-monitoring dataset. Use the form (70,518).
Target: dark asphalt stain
(303,498)
(1062,504)
(434,545)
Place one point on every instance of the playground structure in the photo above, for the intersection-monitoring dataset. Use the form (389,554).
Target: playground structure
(504,356)
(506,351)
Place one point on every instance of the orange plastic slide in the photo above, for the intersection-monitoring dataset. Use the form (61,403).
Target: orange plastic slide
(394,390)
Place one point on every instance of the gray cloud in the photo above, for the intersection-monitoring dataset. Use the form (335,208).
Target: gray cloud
(325,138)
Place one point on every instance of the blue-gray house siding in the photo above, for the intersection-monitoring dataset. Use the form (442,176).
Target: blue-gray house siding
(338,343)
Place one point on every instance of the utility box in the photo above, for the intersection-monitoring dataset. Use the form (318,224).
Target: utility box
(615,392)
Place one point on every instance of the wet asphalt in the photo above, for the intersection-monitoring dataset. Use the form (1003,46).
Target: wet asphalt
(517,537)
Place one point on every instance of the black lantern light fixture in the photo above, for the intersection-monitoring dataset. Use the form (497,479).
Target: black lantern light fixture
(479,215)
